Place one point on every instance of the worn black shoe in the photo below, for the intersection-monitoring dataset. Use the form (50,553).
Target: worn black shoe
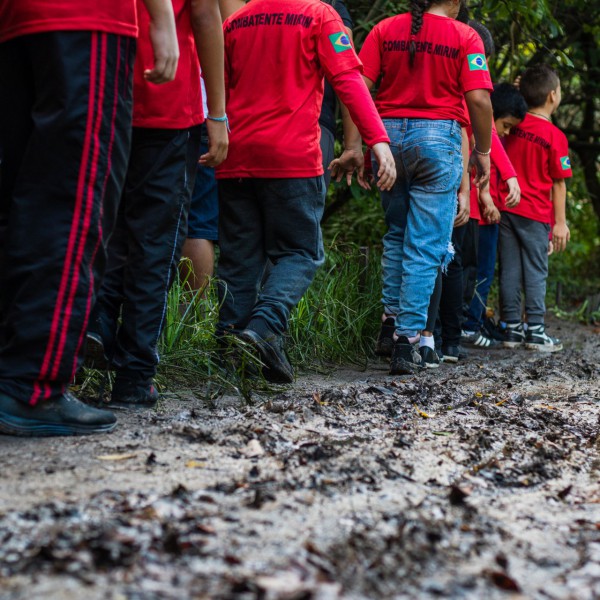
(453,354)
(478,339)
(538,339)
(405,358)
(65,415)
(493,329)
(514,336)
(429,357)
(385,340)
(134,393)
(277,367)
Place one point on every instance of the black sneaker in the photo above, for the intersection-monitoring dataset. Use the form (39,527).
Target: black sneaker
(429,357)
(270,350)
(385,341)
(538,339)
(65,415)
(132,392)
(514,336)
(453,354)
(493,329)
(405,358)
(478,339)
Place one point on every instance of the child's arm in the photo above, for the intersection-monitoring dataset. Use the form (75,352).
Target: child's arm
(464,205)
(163,37)
(489,212)
(560,232)
(507,172)
(480,113)
(208,34)
(228,7)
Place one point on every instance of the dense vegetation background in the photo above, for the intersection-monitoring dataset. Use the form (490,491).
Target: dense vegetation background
(564,34)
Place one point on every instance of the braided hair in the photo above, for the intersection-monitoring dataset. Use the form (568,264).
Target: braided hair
(417,10)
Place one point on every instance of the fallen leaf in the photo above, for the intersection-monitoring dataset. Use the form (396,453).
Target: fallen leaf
(422,413)
(253,449)
(503,581)
(117,456)
(195,464)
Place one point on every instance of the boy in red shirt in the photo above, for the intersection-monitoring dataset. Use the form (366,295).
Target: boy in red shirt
(65,132)
(540,154)
(146,245)
(271,186)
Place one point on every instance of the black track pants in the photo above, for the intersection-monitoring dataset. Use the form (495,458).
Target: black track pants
(65,123)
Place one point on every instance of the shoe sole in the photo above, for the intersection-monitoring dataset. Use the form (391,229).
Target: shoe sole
(29,428)
(274,370)
(544,347)
(451,359)
(512,344)
(431,365)
(404,367)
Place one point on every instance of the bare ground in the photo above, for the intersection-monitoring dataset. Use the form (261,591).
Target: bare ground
(474,481)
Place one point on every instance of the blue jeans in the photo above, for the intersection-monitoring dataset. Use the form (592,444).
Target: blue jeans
(419,212)
(488,243)
(262,220)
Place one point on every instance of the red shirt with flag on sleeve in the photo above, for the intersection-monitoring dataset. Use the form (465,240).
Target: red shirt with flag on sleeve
(25,17)
(450,61)
(276,55)
(539,152)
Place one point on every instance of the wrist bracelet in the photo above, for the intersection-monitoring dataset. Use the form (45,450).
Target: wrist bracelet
(222,119)
(480,152)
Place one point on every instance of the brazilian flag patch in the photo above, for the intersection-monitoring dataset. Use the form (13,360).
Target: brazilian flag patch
(477,62)
(340,41)
(565,162)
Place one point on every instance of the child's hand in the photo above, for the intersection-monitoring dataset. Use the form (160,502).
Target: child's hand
(386,176)
(489,211)
(550,247)
(560,236)
(514,192)
(464,208)
(218,144)
(350,160)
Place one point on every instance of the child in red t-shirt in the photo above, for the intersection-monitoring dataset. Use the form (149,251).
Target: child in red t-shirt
(428,64)
(504,191)
(146,245)
(540,154)
(271,186)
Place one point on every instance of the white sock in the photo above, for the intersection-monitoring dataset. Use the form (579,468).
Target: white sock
(427,341)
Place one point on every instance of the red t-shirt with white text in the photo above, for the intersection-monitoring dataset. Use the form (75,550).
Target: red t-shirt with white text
(178,103)
(276,54)
(449,61)
(539,152)
(25,17)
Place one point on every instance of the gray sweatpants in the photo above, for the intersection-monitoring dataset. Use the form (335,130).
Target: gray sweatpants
(523,252)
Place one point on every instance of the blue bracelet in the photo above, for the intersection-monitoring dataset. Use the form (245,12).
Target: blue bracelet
(222,119)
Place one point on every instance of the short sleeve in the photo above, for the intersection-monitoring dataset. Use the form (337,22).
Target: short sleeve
(370,55)
(474,72)
(560,163)
(335,50)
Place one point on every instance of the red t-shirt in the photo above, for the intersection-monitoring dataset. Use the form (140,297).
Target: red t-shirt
(178,103)
(539,152)
(276,54)
(24,17)
(449,61)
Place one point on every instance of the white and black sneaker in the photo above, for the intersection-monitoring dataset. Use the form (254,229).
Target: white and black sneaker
(514,335)
(429,357)
(478,339)
(538,339)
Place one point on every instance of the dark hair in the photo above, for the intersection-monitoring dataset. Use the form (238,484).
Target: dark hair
(507,101)
(485,35)
(536,83)
(463,13)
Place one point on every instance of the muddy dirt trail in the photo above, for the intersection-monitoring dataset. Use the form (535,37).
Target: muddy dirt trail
(476,481)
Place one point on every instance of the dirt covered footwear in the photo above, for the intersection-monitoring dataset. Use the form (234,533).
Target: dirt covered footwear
(385,340)
(429,357)
(405,358)
(134,393)
(65,415)
(514,336)
(538,339)
(271,353)
(478,339)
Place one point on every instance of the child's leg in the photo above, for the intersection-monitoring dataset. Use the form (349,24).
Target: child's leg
(433,159)
(470,261)
(534,242)
(487,249)
(242,257)
(291,211)
(511,270)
